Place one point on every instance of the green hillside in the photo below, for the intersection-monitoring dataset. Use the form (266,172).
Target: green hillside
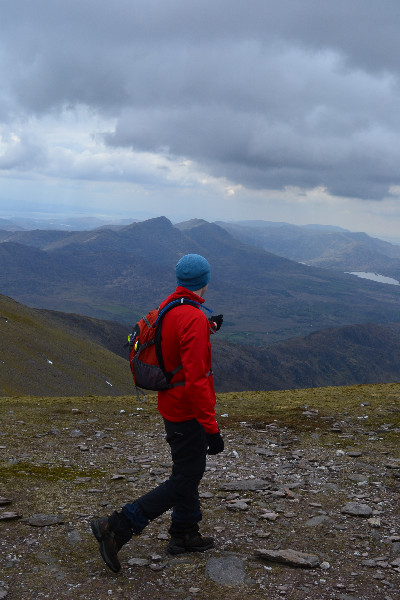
(37,357)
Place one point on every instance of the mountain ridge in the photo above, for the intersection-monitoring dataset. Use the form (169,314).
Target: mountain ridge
(119,275)
(341,250)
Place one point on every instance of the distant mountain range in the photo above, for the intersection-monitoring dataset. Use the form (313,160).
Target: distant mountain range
(286,324)
(119,274)
(329,248)
(62,224)
(47,353)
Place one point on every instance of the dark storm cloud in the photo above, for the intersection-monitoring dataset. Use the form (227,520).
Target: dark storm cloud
(268,94)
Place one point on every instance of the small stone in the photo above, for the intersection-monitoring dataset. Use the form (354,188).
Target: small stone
(117,477)
(290,557)
(237,505)
(379,575)
(227,570)
(41,520)
(5,501)
(9,516)
(264,452)
(245,485)
(270,516)
(138,562)
(395,563)
(394,464)
(375,522)
(76,433)
(358,477)
(157,566)
(317,521)
(74,537)
(325,566)
(279,494)
(263,534)
(3,593)
(289,494)
(369,562)
(194,590)
(156,558)
(356,509)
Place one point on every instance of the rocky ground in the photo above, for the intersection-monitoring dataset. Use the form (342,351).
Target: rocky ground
(303,504)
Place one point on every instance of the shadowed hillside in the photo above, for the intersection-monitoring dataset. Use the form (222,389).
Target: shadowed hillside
(46,352)
(355,354)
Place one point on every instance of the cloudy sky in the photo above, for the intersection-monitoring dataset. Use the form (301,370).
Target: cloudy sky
(284,110)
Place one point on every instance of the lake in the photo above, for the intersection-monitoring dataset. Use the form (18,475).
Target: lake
(376,277)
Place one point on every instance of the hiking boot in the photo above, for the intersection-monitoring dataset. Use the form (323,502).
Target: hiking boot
(111,533)
(189,542)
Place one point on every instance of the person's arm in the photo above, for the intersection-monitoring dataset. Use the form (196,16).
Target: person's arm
(196,363)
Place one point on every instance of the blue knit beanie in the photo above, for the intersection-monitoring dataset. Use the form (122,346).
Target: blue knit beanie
(192,272)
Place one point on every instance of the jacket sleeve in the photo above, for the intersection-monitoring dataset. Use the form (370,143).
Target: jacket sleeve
(196,362)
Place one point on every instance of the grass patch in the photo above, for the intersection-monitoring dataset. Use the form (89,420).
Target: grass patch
(21,470)
(379,403)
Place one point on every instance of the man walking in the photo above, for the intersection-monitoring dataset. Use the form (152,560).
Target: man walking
(191,429)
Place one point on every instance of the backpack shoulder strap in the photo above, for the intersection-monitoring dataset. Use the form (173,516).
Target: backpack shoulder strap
(173,304)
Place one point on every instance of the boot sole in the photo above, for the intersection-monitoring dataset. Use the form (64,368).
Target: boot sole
(114,566)
(181,549)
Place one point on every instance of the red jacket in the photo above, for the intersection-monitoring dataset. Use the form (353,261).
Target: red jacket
(185,339)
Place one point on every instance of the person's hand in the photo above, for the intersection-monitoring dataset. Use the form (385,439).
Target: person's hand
(215,443)
(217,320)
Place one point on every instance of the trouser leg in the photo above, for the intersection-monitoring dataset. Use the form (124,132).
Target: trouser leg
(188,445)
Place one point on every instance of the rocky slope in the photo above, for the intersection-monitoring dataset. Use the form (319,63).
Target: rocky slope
(308,477)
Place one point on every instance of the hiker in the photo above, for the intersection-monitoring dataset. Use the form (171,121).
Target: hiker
(191,428)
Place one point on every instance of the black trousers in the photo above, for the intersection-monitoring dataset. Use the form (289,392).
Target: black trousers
(188,444)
